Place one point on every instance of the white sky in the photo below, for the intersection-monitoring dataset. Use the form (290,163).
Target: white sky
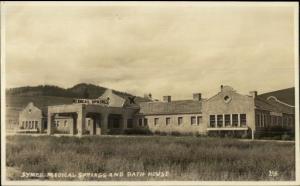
(174,49)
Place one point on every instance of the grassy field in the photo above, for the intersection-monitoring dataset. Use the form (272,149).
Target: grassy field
(178,158)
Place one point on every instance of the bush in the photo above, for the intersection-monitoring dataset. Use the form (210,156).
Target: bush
(138,132)
(175,133)
(244,136)
(285,136)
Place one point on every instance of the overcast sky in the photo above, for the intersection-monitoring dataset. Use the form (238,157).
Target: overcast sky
(175,49)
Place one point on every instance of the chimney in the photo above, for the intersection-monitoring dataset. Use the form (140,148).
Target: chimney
(148,96)
(253,94)
(167,98)
(197,96)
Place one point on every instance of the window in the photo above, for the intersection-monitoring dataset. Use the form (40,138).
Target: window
(179,121)
(227,120)
(286,121)
(279,120)
(145,122)
(212,121)
(266,120)
(26,125)
(290,122)
(36,124)
(243,120)
(274,120)
(235,120)
(65,124)
(116,122)
(220,120)
(89,122)
(227,99)
(258,123)
(199,120)
(140,122)
(193,120)
(168,121)
(129,123)
(155,121)
(23,124)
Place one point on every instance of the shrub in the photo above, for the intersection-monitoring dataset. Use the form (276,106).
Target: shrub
(175,133)
(285,136)
(138,132)
(245,135)
(157,132)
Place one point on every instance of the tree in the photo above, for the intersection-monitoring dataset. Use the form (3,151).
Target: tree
(86,93)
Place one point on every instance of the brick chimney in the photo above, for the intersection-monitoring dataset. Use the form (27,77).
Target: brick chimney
(167,98)
(197,96)
(148,95)
(253,94)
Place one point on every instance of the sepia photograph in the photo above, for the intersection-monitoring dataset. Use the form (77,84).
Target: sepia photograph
(150,93)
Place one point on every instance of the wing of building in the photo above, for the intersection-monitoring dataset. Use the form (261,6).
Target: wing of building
(226,112)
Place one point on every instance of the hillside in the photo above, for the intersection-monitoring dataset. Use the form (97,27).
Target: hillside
(286,95)
(78,91)
(46,95)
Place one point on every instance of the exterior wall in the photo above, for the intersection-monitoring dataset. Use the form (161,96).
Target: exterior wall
(12,124)
(185,127)
(12,119)
(89,124)
(99,119)
(63,124)
(234,104)
(268,120)
(263,119)
(31,118)
(79,113)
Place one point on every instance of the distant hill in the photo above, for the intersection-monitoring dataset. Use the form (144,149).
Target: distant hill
(46,95)
(78,91)
(81,90)
(285,95)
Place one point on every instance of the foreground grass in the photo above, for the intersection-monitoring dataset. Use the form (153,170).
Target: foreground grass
(184,158)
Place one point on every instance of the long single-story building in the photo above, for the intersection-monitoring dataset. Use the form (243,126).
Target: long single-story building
(226,112)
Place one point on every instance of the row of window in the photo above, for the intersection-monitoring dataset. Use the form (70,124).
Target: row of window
(228,120)
(57,123)
(264,120)
(12,121)
(65,123)
(29,124)
(193,121)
